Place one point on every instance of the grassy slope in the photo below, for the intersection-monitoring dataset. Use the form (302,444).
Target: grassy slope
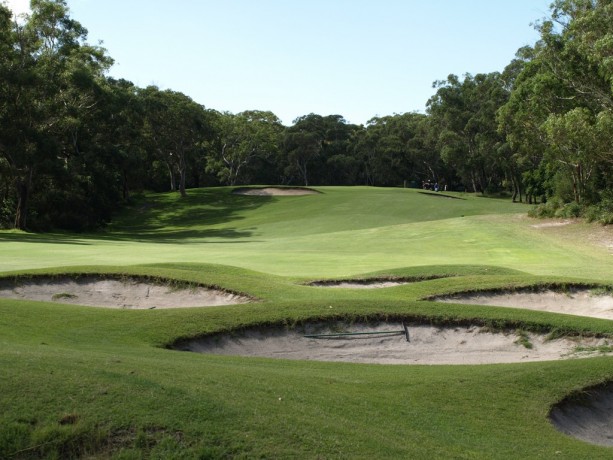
(93,381)
(342,232)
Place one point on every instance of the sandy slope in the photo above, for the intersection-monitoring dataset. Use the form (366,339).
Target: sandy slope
(589,418)
(576,302)
(111,293)
(427,345)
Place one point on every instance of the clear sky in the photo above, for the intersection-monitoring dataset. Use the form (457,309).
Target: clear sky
(355,58)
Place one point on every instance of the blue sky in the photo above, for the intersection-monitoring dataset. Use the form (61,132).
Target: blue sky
(356,58)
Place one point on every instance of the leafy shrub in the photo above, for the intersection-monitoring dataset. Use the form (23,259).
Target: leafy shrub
(548,209)
(603,211)
(569,210)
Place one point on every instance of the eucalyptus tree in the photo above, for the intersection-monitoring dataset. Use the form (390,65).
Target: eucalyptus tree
(176,129)
(247,138)
(393,150)
(303,142)
(51,80)
(465,112)
(121,122)
(336,165)
(317,149)
(562,101)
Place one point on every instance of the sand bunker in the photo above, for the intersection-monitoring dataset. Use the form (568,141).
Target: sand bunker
(588,417)
(369,284)
(427,345)
(274,191)
(575,302)
(372,283)
(114,293)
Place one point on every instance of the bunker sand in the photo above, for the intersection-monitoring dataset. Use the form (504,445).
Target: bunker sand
(575,302)
(589,417)
(113,293)
(374,284)
(274,191)
(426,345)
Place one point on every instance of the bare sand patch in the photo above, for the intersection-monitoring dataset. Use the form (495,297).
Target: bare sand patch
(274,191)
(583,302)
(427,345)
(555,223)
(129,293)
(588,417)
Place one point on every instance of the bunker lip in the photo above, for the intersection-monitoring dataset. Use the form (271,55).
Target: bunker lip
(386,343)
(274,191)
(126,292)
(577,300)
(372,283)
(586,414)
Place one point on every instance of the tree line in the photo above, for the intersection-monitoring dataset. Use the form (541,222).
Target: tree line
(75,144)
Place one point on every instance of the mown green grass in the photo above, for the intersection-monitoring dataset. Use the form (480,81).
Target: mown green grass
(340,232)
(98,383)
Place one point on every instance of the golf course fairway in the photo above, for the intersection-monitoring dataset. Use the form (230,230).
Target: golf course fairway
(96,382)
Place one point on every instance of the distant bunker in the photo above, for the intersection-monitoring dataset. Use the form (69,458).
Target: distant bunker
(594,303)
(587,415)
(126,293)
(275,191)
(359,284)
(372,283)
(393,343)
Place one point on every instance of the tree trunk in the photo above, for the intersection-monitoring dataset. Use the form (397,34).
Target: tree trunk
(172,177)
(125,186)
(23,186)
(473,181)
(182,173)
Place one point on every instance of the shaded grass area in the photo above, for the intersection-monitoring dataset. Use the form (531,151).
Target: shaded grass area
(334,209)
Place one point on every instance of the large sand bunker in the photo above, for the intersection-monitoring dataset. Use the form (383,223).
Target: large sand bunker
(126,293)
(426,345)
(274,191)
(581,302)
(588,417)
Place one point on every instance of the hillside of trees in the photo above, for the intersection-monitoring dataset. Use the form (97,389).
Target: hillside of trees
(75,144)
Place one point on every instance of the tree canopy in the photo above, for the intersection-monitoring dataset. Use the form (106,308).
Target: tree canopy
(75,144)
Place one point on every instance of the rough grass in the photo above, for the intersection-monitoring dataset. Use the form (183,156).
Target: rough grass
(91,382)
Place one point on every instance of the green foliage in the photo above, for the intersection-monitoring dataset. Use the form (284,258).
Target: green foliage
(546,210)
(559,112)
(464,111)
(246,139)
(570,210)
(603,211)
(75,147)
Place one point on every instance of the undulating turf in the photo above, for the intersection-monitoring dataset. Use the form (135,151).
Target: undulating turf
(90,382)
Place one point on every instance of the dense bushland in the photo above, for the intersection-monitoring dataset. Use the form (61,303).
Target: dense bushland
(75,143)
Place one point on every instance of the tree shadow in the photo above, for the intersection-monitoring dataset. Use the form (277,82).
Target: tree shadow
(166,218)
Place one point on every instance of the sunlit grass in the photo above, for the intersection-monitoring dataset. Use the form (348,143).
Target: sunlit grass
(94,382)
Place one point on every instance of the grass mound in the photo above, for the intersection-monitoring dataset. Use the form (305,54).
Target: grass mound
(94,382)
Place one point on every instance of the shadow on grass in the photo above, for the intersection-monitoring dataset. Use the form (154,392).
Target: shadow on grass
(165,218)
